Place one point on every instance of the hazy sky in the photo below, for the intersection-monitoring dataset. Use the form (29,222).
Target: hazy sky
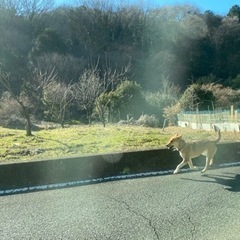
(217,6)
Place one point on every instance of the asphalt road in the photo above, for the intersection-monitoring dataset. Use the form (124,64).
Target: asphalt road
(184,206)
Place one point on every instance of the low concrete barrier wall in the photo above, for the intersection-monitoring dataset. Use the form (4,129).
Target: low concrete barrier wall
(36,173)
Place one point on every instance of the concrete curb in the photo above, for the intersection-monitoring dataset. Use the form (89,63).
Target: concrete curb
(81,168)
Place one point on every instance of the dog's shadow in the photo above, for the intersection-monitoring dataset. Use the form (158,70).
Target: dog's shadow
(230,182)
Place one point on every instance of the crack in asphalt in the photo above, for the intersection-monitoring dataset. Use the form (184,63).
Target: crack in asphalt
(150,224)
(193,228)
(188,215)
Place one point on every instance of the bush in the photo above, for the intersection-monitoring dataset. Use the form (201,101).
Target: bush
(196,97)
(148,121)
(170,113)
(164,97)
(126,100)
(225,96)
(129,98)
(9,109)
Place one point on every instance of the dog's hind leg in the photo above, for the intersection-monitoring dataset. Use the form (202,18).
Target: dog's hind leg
(212,155)
(180,165)
(211,162)
(208,160)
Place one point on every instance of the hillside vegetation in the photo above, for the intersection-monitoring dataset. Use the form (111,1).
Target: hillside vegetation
(107,61)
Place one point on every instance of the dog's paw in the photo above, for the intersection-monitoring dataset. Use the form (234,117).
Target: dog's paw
(175,172)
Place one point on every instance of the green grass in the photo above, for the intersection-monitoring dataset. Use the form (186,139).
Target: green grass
(79,140)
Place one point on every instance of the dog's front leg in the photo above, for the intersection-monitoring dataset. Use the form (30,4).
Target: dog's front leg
(191,164)
(180,165)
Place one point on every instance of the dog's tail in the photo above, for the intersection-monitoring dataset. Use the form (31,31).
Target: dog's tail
(219,134)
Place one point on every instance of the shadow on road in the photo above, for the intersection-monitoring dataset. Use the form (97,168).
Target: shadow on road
(229,181)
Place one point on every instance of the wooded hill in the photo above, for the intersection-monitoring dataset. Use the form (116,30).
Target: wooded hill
(71,62)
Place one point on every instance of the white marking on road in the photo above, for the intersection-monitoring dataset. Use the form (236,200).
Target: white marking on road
(97,180)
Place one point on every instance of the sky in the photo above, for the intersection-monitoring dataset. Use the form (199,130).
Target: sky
(217,6)
(220,7)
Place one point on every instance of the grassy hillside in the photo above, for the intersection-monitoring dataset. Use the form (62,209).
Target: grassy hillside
(77,140)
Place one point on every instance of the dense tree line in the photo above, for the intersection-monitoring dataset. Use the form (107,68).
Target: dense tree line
(80,61)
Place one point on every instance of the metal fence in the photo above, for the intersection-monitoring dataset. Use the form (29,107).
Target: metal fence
(226,120)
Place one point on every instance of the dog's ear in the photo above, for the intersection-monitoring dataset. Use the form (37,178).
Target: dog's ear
(216,129)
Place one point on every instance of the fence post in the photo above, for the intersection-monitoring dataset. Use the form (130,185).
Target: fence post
(232,112)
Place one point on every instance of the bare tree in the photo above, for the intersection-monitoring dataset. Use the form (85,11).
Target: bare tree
(30,8)
(51,92)
(67,66)
(30,92)
(92,84)
(101,108)
(87,90)
(34,8)
(57,98)
(20,99)
(111,79)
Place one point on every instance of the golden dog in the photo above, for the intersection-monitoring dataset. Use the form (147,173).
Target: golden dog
(191,150)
